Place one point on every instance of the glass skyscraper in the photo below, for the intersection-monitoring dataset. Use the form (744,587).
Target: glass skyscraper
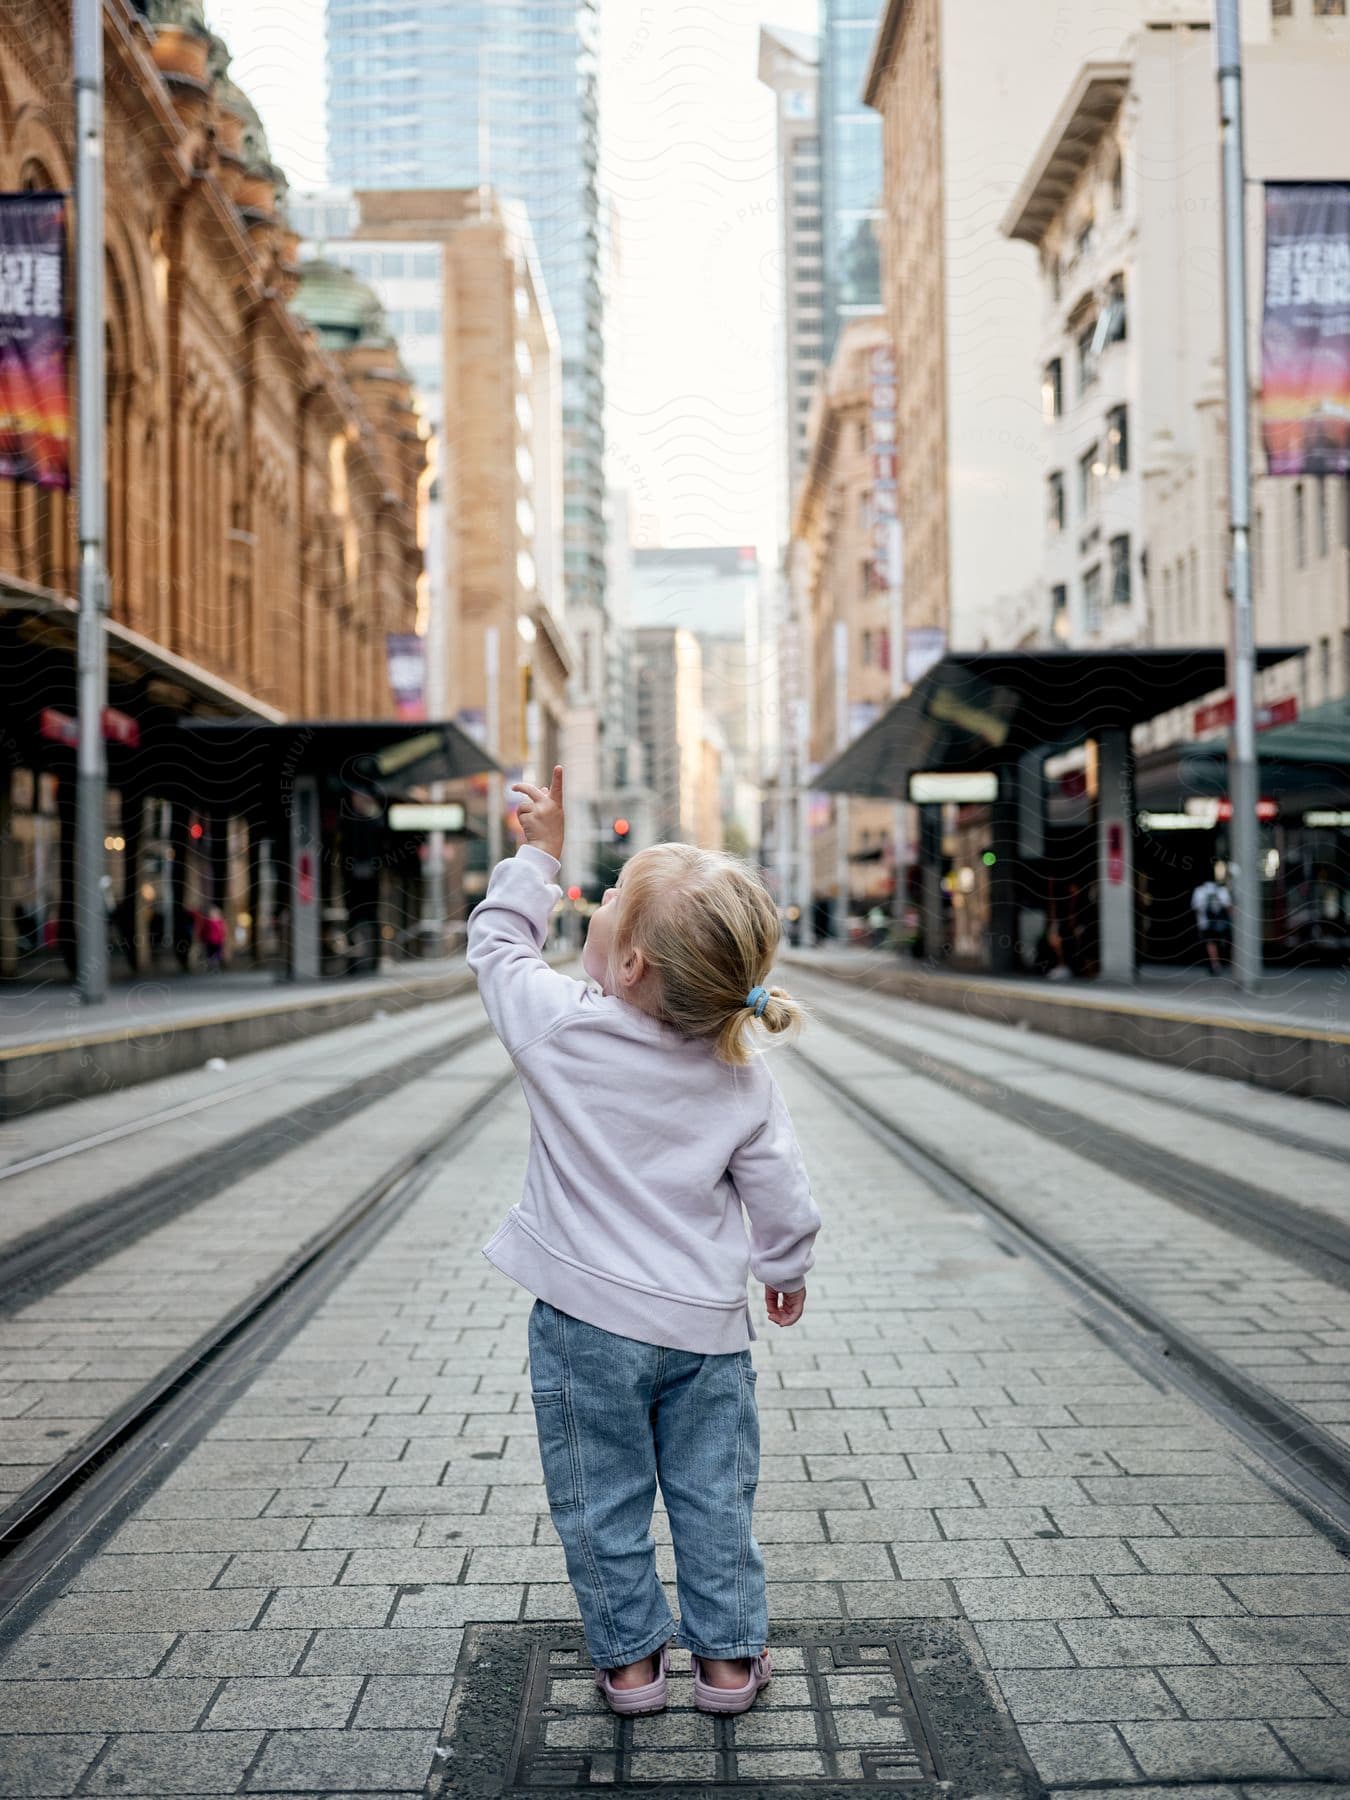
(850,155)
(438,93)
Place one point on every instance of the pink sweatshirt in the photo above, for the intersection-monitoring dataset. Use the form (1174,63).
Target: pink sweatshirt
(643,1149)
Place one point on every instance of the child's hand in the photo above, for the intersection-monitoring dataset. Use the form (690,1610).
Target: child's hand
(541,815)
(784,1309)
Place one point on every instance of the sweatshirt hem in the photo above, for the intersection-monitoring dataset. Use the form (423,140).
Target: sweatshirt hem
(707,1328)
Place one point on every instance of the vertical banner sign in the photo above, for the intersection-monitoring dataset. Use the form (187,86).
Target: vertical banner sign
(34,400)
(1305,334)
(407,674)
(885,464)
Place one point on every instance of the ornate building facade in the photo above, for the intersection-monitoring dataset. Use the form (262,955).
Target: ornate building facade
(262,489)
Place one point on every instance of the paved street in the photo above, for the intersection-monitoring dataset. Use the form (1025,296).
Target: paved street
(952,1434)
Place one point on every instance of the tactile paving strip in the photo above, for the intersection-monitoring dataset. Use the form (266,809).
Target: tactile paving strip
(846,1712)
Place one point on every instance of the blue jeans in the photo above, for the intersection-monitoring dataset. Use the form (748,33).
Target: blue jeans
(615,1417)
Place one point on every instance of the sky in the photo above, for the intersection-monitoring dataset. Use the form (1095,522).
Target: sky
(687,164)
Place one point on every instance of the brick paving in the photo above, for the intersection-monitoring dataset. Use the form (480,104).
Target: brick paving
(944,1437)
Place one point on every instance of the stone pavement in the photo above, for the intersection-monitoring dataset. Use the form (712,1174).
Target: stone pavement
(945,1437)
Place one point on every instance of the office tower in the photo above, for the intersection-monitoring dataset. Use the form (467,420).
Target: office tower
(788,64)
(432,93)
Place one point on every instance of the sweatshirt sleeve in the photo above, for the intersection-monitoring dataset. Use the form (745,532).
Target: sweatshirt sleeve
(508,929)
(771,1180)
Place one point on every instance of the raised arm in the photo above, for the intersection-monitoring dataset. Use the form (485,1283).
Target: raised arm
(772,1183)
(509,928)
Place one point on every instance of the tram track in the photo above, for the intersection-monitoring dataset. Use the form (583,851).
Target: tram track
(1310,1462)
(1271,1221)
(38,1261)
(41,1526)
(985,1035)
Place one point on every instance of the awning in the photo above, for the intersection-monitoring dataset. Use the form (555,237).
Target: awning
(977,710)
(240,761)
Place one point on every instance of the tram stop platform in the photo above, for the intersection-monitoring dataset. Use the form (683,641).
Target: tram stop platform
(1293,1035)
(54,1049)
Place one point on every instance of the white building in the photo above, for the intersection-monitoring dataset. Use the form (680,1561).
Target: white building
(1122,205)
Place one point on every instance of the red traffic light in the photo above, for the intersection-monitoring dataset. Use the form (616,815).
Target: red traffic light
(574,893)
(621,828)
(196,829)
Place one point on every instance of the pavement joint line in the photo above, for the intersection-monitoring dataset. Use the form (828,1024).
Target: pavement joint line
(1256,1415)
(53,1519)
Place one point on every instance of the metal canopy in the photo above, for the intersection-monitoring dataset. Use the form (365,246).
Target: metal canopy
(980,709)
(234,758)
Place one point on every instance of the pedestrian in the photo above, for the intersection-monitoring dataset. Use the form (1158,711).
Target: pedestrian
(654,1122)
(1212,905)
(214,933)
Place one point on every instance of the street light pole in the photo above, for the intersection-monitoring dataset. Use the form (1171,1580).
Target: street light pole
(1244,874)
(90,914)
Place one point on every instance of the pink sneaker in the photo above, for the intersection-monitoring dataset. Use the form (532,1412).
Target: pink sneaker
(632,1701)
(711,1699)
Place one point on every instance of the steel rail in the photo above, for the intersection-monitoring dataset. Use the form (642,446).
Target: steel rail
(51,1518)
(1312,1464)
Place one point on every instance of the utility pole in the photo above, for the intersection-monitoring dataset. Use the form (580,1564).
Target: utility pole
(1245,873)
(91,880)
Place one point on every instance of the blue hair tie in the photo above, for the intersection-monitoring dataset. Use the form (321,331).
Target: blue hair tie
(758,997)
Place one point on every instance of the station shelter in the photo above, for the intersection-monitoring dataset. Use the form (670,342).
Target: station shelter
(216,804)
(1022,770)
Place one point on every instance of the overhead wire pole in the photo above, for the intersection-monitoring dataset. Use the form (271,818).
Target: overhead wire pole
(90,914)
(1244,873)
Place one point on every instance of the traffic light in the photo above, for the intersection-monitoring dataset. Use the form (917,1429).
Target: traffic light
(621,830)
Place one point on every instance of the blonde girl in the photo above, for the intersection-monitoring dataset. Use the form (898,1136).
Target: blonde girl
(663,1170)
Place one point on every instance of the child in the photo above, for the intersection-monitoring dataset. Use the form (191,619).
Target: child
(653,1125)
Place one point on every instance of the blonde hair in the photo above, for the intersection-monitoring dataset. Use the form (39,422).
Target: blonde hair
(709,932)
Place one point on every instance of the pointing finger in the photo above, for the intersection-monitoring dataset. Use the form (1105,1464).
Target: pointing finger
(556,785)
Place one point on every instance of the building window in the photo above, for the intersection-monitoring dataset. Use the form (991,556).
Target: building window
(867,649)
(1281,9)
(1052,389)
(1087,356)
(1323,518)
(1089,480)
(1086,235)
(1054,502)
(1117,441)
(1092,598)
(1111,328)
(1059,612)
(1051,270)
(1324,665)
(1328,9)
(1300,526)
(1120,571)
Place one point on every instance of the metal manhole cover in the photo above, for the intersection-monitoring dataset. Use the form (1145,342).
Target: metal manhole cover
(885,1710)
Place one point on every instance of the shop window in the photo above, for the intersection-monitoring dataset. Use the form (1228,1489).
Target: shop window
(1117,441)
(1120,571)
(1052,389)
(1055,516)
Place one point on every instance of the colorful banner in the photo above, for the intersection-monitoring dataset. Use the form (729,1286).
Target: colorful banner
(406,656)
(34,402)
(1305,335)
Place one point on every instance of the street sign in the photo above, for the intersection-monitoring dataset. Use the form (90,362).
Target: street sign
(407,816)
